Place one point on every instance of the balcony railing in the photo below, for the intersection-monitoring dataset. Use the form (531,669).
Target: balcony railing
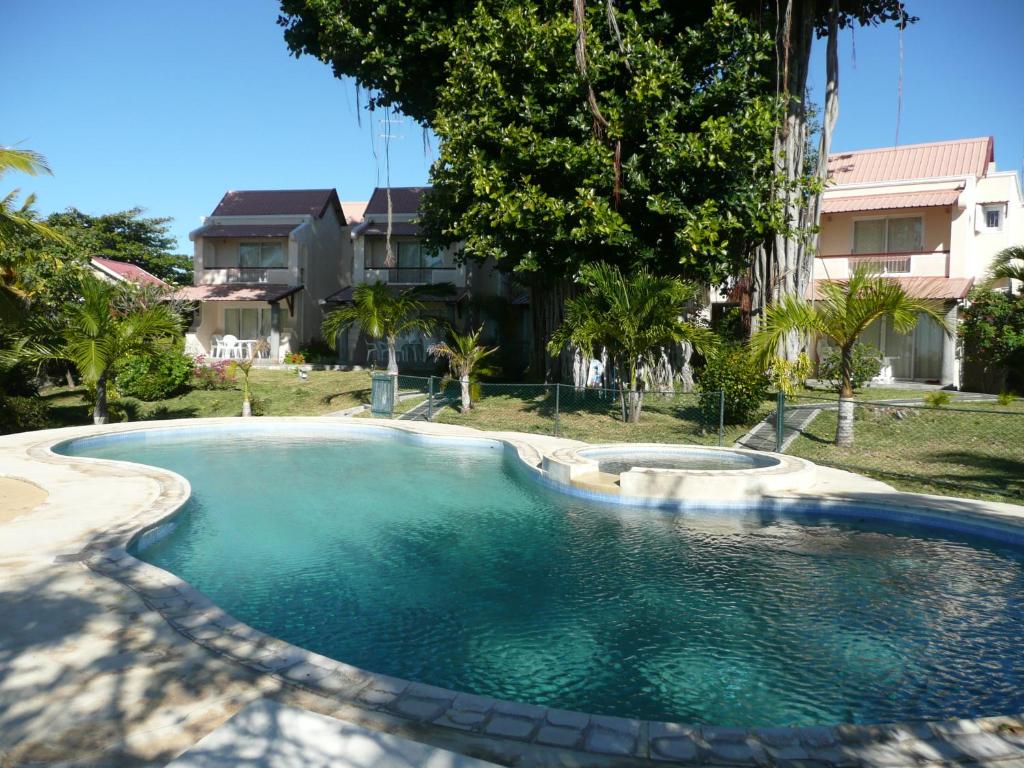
(883,264)
(416,275)
(242,275)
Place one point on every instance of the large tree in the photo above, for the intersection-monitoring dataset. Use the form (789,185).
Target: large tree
(125,236)
(642,138)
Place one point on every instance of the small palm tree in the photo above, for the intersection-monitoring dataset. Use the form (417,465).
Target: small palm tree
(1008,264)
(847,309)
(464,356)
(382,315)
(99,332)
(633,316)
(245,366)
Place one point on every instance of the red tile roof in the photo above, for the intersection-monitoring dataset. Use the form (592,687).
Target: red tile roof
(237,292)
(353,211)
(122,270)
(966,157)
(919,287)
(403,200)
(283,202)
(245,230)
(930,199)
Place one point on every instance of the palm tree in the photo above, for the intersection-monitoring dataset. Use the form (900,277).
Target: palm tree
(464,356)
(245,366)
(1008,264)
(16,221)
(382,314)
(99,332)
(847,309)
(632,316)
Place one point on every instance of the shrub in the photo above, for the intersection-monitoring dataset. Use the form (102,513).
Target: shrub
(317,351)
(867,363)
(1006,398)
(735,372)
(295,358)
(938,399)
(22,414)
(259,406)
(790,376)
(219,374)
(154,376)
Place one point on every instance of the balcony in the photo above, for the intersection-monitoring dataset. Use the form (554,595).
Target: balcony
(883,263)
(248,275)
(416,275)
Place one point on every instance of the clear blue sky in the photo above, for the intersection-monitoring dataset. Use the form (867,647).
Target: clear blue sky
(167,105)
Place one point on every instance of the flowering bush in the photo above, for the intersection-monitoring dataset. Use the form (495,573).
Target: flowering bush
(217,374)
(295,358)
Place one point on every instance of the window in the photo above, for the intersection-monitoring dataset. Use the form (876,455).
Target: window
(247,323)
(261,256)
(898,235)
(993,216)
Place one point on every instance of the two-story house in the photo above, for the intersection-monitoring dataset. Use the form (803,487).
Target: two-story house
(395,254)
(264,260)
(931,216)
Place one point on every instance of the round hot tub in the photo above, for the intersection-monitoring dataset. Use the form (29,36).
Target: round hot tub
(683,472)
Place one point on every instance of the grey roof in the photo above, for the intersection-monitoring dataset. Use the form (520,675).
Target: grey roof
(237,292)
(282,202)
(245,230)
(374,228)
(403,200)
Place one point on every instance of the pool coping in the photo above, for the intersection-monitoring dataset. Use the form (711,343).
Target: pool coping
(196,617)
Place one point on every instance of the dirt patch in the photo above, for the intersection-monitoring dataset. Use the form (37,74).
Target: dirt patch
(18,497)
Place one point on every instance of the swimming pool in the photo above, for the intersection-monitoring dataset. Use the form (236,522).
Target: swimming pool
(445,563)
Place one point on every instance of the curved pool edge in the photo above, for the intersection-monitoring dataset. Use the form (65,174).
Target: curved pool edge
(517,727)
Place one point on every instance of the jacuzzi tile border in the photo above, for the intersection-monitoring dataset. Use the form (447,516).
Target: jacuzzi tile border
(198,618)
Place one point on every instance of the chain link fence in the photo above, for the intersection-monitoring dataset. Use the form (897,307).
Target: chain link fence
(563,410)
(968,445)
(971,445)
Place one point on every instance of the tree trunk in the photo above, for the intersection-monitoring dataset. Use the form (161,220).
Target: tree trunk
(393,364)
(246,407)
(99,411)
(547,310)
(686,372)
(784,264)
(634,404)
(69,378)
(844,422)
(466,402)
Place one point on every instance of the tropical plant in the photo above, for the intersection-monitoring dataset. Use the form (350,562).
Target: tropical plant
(735,383)
(844,312)
(937,399)
(99,333)
(18,221)
(382,314)
(1008,264)
(633,316)
(244,366)
(865,364)
(464,355)
(992,335)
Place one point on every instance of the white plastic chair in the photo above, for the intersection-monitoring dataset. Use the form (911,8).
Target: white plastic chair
(216,344)
(230,346)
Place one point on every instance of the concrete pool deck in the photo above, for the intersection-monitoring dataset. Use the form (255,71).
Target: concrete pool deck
(105,661)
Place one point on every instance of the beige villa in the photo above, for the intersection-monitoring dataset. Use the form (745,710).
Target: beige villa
(264,260)
(931,216)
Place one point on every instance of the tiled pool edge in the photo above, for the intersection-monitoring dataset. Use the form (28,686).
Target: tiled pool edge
(196,617)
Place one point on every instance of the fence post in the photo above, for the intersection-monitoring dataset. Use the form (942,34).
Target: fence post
(721,417)
(430,398)
(780,422)
(558,425)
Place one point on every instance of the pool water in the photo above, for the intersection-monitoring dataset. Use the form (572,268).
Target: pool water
(449,565)
(616,461)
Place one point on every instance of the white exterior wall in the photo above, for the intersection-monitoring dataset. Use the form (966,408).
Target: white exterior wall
(318,256)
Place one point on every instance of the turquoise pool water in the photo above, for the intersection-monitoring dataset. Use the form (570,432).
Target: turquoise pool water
(449,565)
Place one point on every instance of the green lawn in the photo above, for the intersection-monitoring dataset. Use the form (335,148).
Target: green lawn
(587,415)
(281,391)
(966,449)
